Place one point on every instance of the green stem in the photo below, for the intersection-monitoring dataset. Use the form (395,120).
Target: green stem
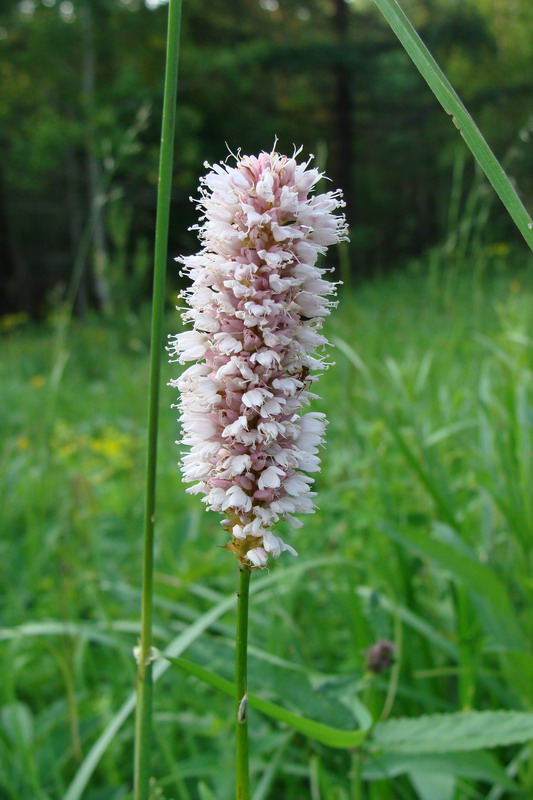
(241,681)
(143,720)
(451,103)
(356,778)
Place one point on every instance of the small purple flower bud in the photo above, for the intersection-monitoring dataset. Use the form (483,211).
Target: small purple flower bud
(380,656)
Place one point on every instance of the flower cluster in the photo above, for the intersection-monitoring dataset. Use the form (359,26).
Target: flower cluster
(257,301)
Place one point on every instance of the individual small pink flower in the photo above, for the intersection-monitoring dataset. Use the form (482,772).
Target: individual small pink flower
(257,302)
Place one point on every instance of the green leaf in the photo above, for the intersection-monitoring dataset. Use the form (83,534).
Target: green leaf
(333,737)
(448,733)
(433,787)
(205,792)
(96,632)
(478,577)
(17,721)
(440,499)
(267,779)
(410,619)
(518,669)
(281,682)
(449,100)
(478,766)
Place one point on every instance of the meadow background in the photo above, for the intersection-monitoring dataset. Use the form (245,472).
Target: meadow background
(423,536)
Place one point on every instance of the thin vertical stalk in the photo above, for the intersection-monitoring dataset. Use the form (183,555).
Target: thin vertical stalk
(241,682)
(143,720)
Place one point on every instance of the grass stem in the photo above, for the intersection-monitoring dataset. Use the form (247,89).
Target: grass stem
(451,103)
(144,675)
(241,681)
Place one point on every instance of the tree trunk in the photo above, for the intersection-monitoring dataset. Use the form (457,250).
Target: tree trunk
(14,285)
(343,112)
(94,272)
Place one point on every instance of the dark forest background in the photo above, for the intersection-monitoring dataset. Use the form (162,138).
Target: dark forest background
(80,108)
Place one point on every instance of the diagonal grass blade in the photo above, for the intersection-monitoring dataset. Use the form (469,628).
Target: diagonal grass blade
(451,103)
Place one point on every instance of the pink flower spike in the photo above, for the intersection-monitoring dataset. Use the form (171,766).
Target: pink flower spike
(256,301)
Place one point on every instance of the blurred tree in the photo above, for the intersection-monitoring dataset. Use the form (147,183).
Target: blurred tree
(327,74)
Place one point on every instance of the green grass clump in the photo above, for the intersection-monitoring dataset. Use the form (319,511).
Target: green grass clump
(422,537)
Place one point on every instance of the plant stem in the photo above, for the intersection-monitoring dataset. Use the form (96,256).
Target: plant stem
(143,720)
(241,681)
(356,779)
(451,103)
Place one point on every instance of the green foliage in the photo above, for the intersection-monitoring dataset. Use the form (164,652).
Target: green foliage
(438,733)
(422,538)
(480,766)
(445,733)
(325,734)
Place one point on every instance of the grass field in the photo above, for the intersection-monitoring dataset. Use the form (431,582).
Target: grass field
(423,537)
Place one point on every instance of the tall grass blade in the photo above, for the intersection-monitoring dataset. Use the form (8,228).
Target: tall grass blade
(451,103)
(177,646)
(265,784)
(326,734)
(409,618)
(442,502)
(477,577)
